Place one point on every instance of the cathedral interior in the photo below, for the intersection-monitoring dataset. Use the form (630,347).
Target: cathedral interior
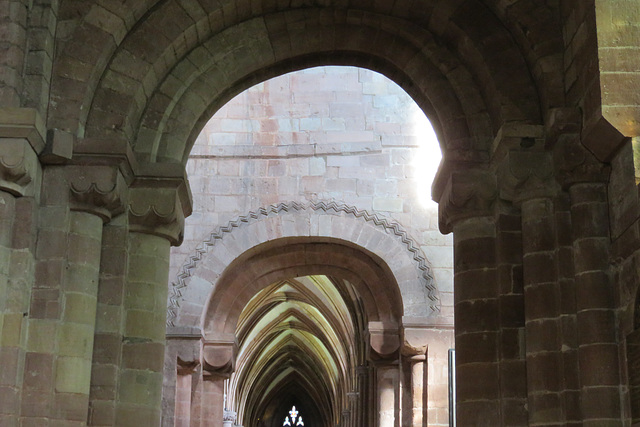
(326,213)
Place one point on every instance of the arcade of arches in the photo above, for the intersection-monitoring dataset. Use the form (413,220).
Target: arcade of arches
(305,288)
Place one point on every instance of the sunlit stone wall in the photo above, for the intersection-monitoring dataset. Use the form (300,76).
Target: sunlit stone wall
(338,134)
(330,133)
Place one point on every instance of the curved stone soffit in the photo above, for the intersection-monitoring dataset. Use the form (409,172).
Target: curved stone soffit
(387,225)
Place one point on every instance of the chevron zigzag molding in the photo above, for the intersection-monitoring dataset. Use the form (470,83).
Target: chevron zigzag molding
(175,291)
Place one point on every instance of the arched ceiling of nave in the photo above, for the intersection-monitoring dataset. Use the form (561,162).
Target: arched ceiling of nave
(297,334)
(156,71)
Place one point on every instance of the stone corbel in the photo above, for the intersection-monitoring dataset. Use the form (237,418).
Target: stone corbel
(159,202)
(384,341)
(467,193)
(219,357)
(19,167)
(100,190)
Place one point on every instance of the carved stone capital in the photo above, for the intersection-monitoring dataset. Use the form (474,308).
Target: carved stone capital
(219,357)
(384,340)
(525,175)
(467,193)
(100,190)
(19,167)
(160,202)
(576,164)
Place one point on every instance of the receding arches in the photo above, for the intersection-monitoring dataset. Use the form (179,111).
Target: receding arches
(281,259)
(300,336)
(324,222)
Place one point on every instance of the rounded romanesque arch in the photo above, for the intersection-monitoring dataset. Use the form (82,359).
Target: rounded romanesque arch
(158,96)
(347,230)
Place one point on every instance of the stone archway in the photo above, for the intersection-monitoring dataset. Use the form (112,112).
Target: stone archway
(374,255)
(101,101)
(377,234)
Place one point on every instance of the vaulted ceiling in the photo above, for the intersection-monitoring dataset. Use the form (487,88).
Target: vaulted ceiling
(300,340)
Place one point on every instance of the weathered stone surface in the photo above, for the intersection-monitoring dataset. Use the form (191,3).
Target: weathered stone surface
(535,105)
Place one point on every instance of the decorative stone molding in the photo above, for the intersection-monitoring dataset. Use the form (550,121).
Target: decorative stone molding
(19,167)
(467,193)
(218,234)
(219,357)
(158,204)
(100,190)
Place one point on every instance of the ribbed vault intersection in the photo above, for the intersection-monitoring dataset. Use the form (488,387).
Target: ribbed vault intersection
(299,341)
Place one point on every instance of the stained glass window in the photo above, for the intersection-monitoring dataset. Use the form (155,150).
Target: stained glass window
(290,420)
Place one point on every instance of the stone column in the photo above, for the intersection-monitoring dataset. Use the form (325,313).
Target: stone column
(362,403)
(533,189)
(466,203)
(418,392)
(387,392)
(597,342)
(157,208)
(181,360)
(196,398)
(552,371)
(107,345)
(513,377)
(212,401)
(597,345)
(542,311)
(218,361)
(345,418)
(182,414)
(76,201)
(384,353)
(19,185)
(352,398)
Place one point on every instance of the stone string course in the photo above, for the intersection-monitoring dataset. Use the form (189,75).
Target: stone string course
(387,225)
